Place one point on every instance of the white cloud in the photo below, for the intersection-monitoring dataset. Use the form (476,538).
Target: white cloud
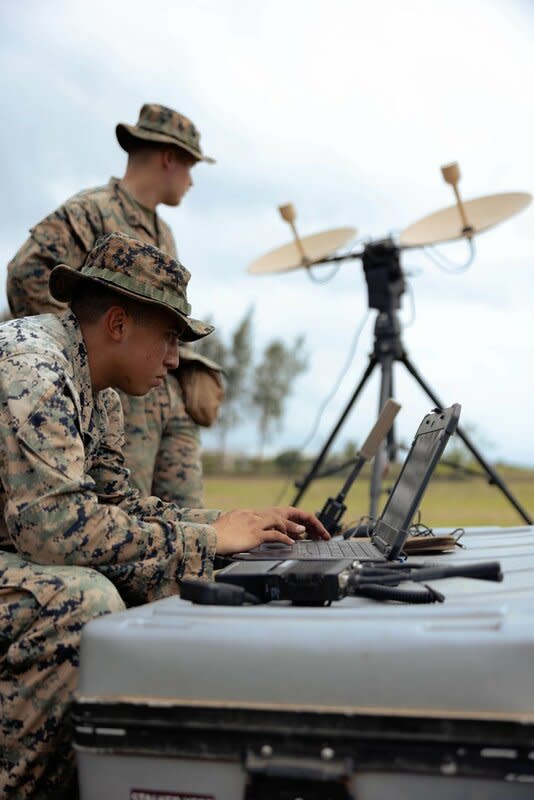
(345,108)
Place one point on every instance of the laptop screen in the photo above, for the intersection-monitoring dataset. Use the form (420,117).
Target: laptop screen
(425,452)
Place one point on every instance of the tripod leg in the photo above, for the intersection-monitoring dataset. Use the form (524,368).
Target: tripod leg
(312,472)
(493,478)
(391,440)
(386,390)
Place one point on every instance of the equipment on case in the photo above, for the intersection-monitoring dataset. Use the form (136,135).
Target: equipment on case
(364,699)
(334,508)
(392,528)
(318,583)
(386,285)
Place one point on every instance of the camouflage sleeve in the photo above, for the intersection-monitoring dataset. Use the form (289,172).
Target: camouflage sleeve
(57,513)
(177,470)
(65,236)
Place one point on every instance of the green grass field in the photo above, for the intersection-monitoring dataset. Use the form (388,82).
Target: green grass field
(446,502)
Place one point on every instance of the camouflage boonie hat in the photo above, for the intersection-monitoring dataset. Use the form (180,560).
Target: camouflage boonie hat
(160,124)
(135,269)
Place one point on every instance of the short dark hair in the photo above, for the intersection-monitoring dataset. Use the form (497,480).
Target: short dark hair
(95,299)
(139,146)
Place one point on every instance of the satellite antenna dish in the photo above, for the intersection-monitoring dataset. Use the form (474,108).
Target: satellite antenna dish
(465,219)
(386,285)
(302,252)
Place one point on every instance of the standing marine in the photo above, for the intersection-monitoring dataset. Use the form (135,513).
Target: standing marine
(162,445)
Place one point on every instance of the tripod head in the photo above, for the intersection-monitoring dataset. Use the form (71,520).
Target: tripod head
(384,275)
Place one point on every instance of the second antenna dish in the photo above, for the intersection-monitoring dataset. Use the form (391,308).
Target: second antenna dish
(447,224)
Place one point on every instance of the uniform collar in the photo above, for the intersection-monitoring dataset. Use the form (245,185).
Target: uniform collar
(133,211)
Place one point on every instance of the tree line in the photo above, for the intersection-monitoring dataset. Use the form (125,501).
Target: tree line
(254,384)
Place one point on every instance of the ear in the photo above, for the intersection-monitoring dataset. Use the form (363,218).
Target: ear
(168,157)
(117,323)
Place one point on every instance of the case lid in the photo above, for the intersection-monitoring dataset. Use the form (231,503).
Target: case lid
(470,656)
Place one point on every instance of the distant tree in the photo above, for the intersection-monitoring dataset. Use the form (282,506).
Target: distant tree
(264,387)
(272,384)
(287,461)
(350,450)
(458,455)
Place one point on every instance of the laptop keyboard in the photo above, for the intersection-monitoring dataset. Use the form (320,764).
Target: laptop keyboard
(345,548)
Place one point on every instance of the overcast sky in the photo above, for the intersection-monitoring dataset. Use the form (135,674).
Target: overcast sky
(346,109)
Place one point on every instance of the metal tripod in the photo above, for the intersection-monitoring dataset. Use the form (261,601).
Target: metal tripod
(386,285)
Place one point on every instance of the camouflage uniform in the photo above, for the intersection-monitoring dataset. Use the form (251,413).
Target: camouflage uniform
(76,540)
(162,443)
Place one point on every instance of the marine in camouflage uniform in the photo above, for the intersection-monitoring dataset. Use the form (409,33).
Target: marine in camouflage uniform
(76,540)
(162,443)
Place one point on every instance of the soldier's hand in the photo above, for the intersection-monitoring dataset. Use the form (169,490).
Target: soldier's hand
(313,528)
(244,529)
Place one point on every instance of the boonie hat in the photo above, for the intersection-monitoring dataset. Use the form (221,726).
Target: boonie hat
(161,124)
(135,269)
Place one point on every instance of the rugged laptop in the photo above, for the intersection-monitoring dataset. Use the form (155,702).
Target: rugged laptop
(392,528)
